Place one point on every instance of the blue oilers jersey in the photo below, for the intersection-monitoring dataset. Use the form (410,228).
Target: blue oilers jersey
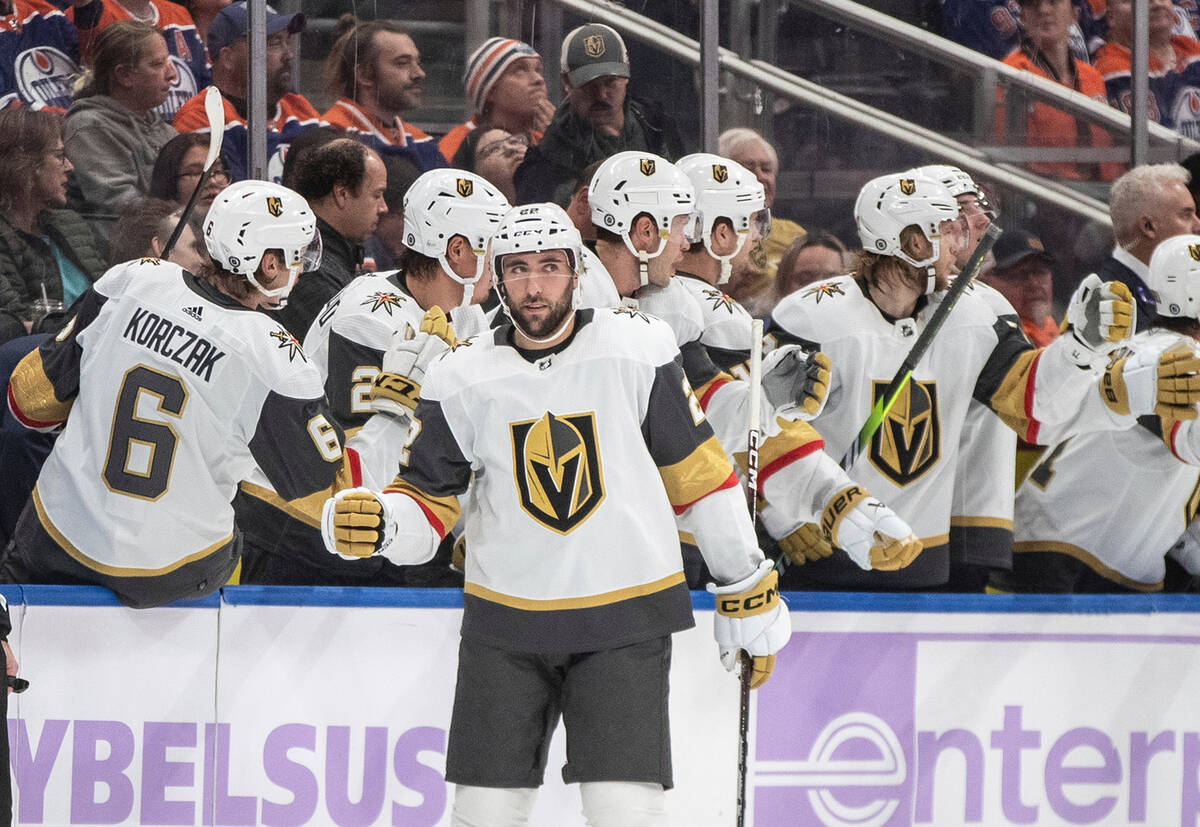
(39,56)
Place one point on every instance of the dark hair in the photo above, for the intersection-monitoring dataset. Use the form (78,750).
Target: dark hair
(813,238)
(123,43)
(401,173)
(164,178)
(356,49)
(305,142)
(342,161)
(417,266)
(141,221)
(26,136)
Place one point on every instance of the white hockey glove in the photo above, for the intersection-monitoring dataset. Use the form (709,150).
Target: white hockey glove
(752,617)
(357,523)
(795,381)
(870,532)
(1101,315)
(468,321)
(398,386)
(1149,380)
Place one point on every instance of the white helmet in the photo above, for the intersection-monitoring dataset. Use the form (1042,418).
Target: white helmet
(1175,276)
(952,178)
(443,203)
(631,183)
(250,217)
(888,204)
(724,189)
(533,228)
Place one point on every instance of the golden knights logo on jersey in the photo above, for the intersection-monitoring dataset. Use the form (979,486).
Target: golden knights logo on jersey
(908,442)
(557,469)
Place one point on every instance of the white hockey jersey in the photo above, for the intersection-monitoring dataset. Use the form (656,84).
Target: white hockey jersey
(175,393)
(582,455)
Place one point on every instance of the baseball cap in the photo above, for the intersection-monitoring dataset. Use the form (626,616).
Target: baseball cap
(1015,246)
(593,51)
(233,22)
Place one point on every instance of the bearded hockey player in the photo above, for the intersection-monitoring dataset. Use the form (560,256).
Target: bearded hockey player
(867,321)
(585,441)
(173,388)
(449,215)
(1147,476)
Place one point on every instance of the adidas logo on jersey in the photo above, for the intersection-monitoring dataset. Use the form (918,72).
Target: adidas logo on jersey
(196,312)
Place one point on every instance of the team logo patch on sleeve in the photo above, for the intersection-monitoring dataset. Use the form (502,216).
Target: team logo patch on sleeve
(908,442)
(718,299)
(290,343)
(631,312)
(821,291)
(385,301)
(557,469)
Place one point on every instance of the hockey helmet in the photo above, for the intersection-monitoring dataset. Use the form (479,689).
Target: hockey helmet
(443,203)
(888,204)
(1175,276)
(251,217)
(534,228)
(724,189)
(958,182)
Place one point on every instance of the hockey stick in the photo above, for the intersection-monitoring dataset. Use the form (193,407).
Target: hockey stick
(753,434)
(214,108)
(882,407)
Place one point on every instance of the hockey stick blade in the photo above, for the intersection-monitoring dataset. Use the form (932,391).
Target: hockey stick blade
(214,108)
(894,387)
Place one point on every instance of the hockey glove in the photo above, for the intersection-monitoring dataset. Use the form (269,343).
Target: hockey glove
(1101,314)
(806,543)
(398,386)
(751,616)
(357,523)
(1147,381)
(795,381)
(870,532)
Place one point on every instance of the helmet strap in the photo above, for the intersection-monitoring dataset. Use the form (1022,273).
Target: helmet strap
(726,261)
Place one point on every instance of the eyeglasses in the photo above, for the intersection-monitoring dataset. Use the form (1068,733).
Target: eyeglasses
(196,172)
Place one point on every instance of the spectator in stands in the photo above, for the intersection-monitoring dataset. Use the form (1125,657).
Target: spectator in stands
(112,133)
(992,27)
(1148,205)
(179,34)
(145,226)
(754,286)
(375,72)
(177,169)
(382,249)
(343,183)
(203,12)
(498,153)
(1045,51)
(597,119)
(507,90)
(46,252)
(288,113)
(1174,78)
(816,256)
(1024,274)
(39,54)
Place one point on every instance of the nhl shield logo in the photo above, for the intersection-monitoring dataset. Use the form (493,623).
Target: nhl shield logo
(557,469)
(274,205)
(647,166)
(465,187)
(908,186)
(720,173)
(908,442)
(1194,251)
(593,45)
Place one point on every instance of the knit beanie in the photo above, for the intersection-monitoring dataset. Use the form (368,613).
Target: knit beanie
(487,64)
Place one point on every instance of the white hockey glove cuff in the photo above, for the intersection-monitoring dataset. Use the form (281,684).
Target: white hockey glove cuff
(398,386)
(1101,315)
(468,321)
(870,532)
(796,382)
(752,617)
(1149,380)
(357,523)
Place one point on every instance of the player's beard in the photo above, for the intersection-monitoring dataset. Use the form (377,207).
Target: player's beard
(549,322)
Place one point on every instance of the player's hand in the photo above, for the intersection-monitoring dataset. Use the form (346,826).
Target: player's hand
(11,667)
(543,113)
(398,386)
(751,617)
(357,523)
(1101,315)
(1150,380)
(806,543)
(795,381)
(873,535)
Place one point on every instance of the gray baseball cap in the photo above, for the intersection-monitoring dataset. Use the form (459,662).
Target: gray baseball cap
(593,51)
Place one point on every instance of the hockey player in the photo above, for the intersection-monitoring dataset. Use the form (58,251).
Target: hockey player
(584,441)
(1146,476)
(449,215)
(866,322)
(172,389)
(797,480)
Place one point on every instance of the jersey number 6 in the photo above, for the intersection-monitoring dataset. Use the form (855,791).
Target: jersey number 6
(141,451)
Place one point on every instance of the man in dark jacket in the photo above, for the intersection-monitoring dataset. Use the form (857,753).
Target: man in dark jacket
(596,119)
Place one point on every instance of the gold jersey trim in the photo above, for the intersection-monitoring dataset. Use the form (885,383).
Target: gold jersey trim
(588,602)
(115,571)
(981,522)
(697,475)
(1089,560)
